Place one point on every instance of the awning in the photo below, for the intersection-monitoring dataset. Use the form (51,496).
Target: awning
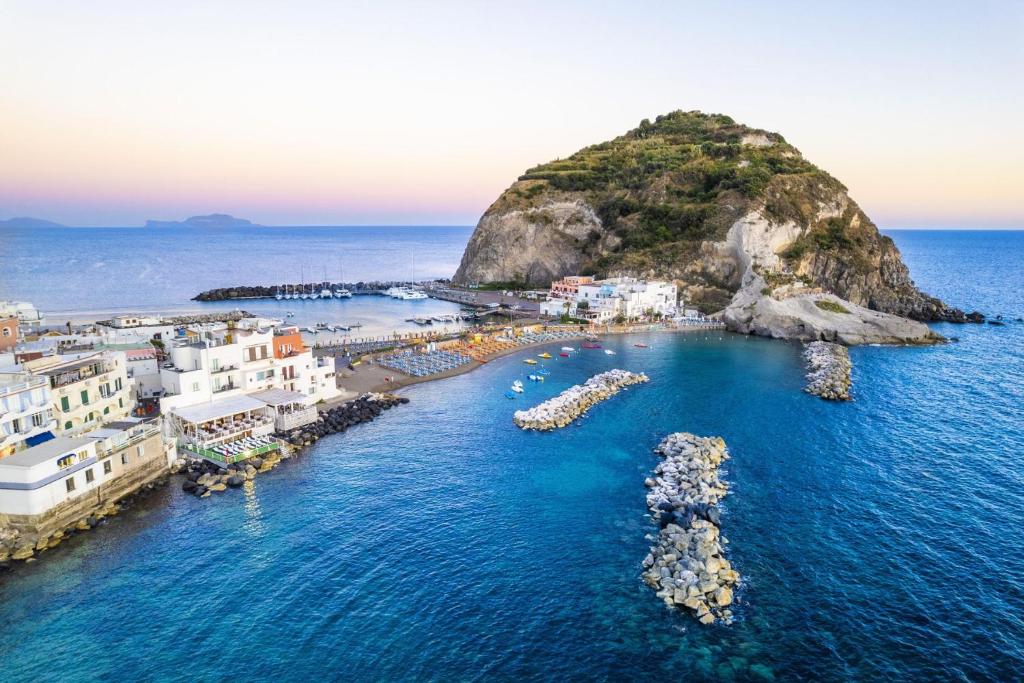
(38,439)
(204,412)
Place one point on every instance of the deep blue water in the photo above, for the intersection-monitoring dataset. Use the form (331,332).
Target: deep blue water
(878,540)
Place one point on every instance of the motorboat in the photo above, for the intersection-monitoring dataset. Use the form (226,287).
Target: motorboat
(536,378)
(640,346)
(412,295)
(544,355)
(517,386)
(342,293)
(563,354)
(568,349)
(609,352)
(530,361)
(543,372)
(590,345)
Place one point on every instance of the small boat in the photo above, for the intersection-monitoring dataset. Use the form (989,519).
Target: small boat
(536,378)
(590,345)
(323,326)
(640,346)
(544,355)
(289,314)
(309,329)
(278,295)
(567,349)
(530,361)
(609,352)
(342,294)
(563,354)
(543,371)
(517,387)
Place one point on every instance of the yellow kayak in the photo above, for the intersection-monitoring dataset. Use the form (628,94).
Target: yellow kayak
(530,361)
(544,355)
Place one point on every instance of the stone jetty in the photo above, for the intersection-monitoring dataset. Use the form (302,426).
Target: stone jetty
(340,418)
(576,400)
(687,565)
(828,370)
(203,477)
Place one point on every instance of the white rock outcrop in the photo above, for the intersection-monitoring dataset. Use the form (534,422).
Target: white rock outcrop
(561,410)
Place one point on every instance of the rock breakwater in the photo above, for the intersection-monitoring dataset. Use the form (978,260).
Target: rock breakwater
(687,565)
(828,370)
(561,410)
(338,419)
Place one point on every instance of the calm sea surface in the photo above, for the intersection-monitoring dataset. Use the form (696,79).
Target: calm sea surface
(878,540)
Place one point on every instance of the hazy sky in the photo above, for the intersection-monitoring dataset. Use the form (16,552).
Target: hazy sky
(423,112)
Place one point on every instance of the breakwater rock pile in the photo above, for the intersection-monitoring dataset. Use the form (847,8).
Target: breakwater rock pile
(576,400)
(828,370)
(340,418)
(687,565)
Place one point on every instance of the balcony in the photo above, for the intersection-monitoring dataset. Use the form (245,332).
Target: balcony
(286,421)
(226,387)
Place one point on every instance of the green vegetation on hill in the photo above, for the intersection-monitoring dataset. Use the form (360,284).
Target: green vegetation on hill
(678,178)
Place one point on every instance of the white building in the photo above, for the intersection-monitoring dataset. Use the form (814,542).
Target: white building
(221,360)
(144,370)
(26,411)
(602,301)
(27,314)
(51,485)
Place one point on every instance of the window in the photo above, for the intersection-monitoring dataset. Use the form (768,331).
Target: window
(69,484)
(216,364)
(38,420)
(85,397)
(16,424)
(117,384)
(67,425)
(107,467)
(89,476)
(65,404)
(124,458)
(66,461)
(106,410)
(7,332)
(120,403)
(138,451)
(195,386)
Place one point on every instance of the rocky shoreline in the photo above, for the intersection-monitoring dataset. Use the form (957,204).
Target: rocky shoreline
(17,546)
(270,291)
(828,370)
(203,477)
(561,410)
(687,565)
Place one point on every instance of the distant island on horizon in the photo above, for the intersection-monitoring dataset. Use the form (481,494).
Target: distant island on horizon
(213,220)
(29,222)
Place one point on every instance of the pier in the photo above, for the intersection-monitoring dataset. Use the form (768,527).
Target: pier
(828,370)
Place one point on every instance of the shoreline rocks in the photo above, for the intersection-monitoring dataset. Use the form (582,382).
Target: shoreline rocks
(26,547)
(561,410)
(687,565)
(828,370)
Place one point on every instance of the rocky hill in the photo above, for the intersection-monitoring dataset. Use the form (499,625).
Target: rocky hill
(736,215)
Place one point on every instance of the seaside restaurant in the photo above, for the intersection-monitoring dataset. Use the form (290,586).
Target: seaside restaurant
(225,431)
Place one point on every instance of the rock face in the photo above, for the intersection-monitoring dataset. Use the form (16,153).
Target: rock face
(709,203)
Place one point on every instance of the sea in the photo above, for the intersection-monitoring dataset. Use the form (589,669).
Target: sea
(879,539)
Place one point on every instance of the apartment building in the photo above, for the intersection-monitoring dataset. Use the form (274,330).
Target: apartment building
(86,389)
(26,412)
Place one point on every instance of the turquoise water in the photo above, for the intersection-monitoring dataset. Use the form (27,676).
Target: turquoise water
(878,539)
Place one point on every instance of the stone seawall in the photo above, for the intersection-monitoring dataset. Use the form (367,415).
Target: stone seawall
(576,400)
(828,370)
(23,537)
(687,566)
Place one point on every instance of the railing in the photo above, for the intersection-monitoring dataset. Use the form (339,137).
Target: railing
(231,457)
(294,419)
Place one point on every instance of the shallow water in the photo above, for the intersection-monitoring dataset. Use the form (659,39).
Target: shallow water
(878,539)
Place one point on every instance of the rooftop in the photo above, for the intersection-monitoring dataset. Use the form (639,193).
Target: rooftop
(211,410)
(30,457)
(278,397)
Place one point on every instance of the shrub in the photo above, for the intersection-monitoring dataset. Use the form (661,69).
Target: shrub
(830,306)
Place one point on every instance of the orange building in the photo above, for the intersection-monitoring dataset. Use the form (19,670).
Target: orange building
(8,334)
(569,286)
(288,342)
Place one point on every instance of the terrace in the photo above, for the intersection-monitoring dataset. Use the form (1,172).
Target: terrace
(226,430)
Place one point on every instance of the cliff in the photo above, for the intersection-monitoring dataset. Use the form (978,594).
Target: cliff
(746,226)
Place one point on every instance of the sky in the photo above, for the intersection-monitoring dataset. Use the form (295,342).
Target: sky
(398,113)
